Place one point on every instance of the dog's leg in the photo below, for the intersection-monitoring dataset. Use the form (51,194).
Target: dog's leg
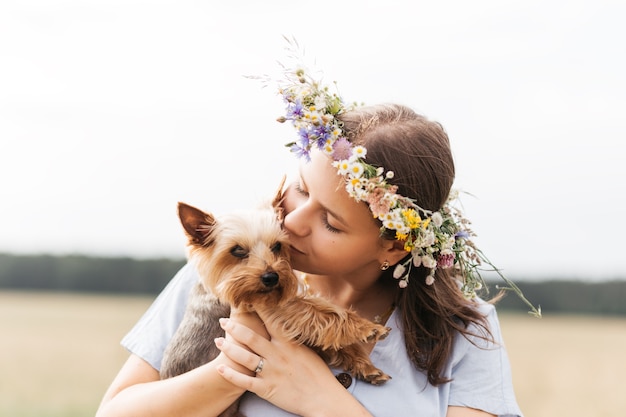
(317,322)
(338,335)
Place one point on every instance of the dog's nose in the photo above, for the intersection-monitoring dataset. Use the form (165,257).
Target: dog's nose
(269,279)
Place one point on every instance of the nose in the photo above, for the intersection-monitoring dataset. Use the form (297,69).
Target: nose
(269,279)
(297,221)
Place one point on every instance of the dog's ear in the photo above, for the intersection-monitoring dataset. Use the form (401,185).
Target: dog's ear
(197,224)
(277,202)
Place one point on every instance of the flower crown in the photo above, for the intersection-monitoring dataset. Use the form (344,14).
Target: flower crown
(435,240)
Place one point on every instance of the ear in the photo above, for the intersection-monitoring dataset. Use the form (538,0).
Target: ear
(392,251)
(277,201)
(197,224)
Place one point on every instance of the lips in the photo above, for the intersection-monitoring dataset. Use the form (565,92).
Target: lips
(296,250)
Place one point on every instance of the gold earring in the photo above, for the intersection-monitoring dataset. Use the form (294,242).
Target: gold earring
(384,266)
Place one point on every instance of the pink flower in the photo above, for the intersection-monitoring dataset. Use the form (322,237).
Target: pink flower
(378,204)
(342,149)
(445,260)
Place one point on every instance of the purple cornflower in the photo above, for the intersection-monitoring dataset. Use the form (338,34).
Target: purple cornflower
(321,135)
(300,151)
(294,110)
(462,234)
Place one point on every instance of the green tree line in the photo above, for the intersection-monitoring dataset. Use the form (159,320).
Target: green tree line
(125,275)
(569,296)
(86,274)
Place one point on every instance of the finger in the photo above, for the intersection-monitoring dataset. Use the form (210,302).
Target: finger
(249,360)
(273,327)
(246,337)
(237,378)
(251,321)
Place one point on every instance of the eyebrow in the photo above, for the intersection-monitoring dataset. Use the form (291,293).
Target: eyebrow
(329,211)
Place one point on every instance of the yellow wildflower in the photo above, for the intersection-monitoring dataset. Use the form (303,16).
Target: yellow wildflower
(413,219)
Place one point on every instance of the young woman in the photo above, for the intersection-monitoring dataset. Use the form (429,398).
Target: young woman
(380,238)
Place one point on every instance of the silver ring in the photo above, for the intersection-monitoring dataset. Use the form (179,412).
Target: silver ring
(259,367)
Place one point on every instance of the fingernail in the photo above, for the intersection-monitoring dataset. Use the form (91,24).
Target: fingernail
(223,322)
(221,368)
(219,342)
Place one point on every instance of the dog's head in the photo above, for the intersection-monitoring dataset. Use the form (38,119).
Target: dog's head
(243,257)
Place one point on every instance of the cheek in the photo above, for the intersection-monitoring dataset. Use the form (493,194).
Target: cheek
(339,258)
(331,246)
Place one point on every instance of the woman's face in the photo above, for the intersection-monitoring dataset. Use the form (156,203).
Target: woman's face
(330,232)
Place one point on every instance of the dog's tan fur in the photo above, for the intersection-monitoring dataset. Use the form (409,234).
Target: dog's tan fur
(243,261)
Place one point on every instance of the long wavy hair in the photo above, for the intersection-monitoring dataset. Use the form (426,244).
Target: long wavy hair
(418,151)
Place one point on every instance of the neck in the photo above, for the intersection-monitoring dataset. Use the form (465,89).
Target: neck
(368,301)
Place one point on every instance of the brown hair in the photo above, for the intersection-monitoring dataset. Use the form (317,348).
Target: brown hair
(418,151)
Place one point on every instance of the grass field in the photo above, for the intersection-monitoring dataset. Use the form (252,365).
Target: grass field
(59,352)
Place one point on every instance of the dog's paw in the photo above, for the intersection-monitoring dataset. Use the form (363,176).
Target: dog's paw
(375,377)
(384,333)
(378,332)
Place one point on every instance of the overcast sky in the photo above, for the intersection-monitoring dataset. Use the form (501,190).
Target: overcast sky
(113,111)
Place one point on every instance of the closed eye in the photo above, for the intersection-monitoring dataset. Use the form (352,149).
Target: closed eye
(239,252)
(299,189)
(328,225)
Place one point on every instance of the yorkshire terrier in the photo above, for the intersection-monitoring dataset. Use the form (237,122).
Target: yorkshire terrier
(243,261)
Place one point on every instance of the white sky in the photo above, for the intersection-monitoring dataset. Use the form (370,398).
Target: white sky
(113,111)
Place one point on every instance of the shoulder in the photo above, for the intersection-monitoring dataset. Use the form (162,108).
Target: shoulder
(479,368)
(479,337)
(489,330)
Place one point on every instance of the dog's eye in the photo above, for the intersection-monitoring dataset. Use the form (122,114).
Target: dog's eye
(239,252)
(277,247)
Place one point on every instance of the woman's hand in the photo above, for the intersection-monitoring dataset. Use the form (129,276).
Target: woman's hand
(253,323)
(293,377)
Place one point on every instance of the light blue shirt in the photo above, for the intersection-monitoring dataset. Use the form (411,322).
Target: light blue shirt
(480,371)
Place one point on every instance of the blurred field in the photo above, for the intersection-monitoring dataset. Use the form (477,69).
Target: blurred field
(59,352)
